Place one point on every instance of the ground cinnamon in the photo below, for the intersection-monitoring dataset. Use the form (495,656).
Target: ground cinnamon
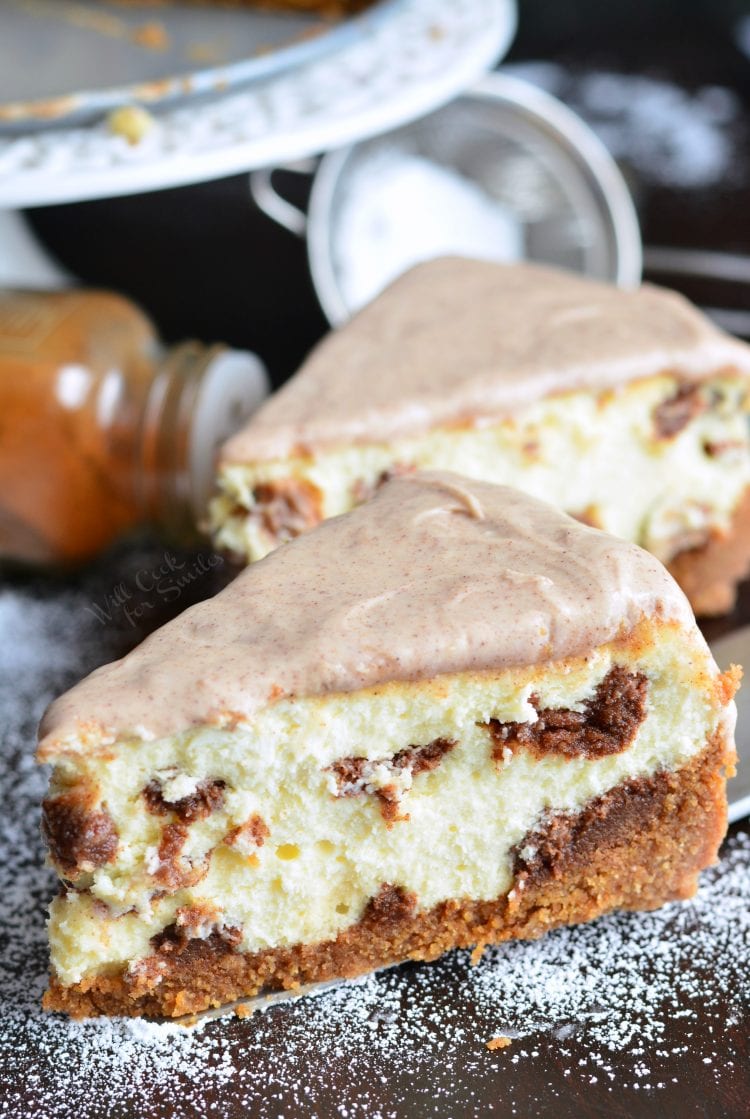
(101,429)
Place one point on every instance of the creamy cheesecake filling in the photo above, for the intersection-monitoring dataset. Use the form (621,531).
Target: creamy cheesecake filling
(275,851)
(651,462)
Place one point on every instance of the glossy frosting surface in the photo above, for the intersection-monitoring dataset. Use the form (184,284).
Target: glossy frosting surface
(436,574)
(459,340)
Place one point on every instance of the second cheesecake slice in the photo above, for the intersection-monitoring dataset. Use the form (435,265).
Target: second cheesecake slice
(627,409)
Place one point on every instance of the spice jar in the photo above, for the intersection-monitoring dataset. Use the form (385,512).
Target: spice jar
(103,429)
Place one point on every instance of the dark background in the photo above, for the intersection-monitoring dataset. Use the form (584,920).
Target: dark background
(207,264)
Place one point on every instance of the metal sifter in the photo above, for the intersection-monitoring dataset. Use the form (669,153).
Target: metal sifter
(504,172)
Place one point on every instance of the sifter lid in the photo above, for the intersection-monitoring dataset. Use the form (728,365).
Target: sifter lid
(505,172)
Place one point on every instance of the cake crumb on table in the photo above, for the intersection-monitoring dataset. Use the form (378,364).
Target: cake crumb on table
(499,1042)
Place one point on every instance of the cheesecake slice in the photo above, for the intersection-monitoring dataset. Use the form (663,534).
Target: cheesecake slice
(627,409)
(451,717)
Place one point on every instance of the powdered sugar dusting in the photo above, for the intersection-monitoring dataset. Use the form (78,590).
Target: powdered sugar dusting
(672,136)
(629,1005)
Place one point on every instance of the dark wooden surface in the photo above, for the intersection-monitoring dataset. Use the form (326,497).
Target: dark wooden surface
(206,264)
(426,1056)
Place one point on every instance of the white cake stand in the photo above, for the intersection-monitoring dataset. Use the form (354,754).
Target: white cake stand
(425,54)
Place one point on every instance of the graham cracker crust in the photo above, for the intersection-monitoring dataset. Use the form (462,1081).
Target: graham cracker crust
(709,574)
(636,847)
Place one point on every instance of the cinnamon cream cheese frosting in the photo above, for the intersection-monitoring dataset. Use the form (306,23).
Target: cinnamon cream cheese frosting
(455,340)
(441,575)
